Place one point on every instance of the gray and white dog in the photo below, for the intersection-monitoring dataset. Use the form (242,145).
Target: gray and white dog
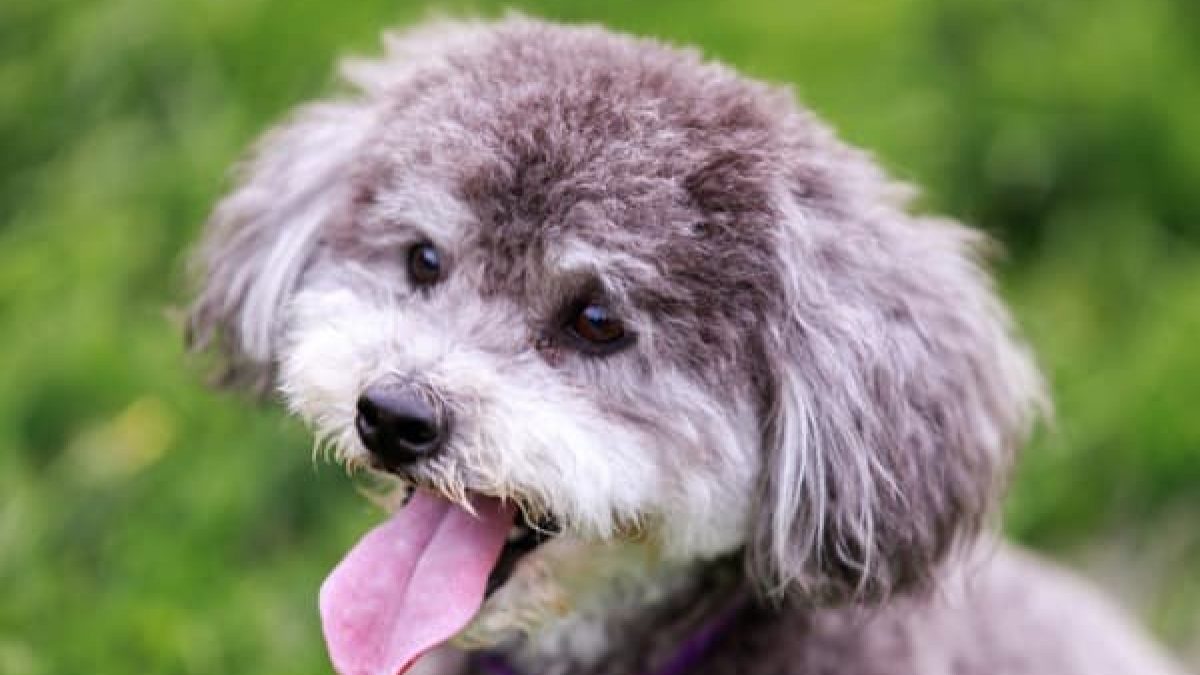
(678,381)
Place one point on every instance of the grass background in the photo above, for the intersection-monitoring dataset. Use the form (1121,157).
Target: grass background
(150,526)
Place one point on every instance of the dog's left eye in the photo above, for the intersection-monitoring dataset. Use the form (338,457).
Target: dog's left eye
(598,327)
(424,264)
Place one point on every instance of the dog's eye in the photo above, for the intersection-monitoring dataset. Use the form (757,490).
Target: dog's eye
(424,264)
(596,324)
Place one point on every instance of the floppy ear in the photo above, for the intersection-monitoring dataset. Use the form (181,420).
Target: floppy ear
(898,396)
(261,236)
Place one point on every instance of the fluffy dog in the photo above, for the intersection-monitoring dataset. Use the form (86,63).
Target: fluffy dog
(677,381)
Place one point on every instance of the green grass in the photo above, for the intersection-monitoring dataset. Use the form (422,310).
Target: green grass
(150,525)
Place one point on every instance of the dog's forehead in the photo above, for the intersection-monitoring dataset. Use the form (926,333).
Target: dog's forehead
(600,151)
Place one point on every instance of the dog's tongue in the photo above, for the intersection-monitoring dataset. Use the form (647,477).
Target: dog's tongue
(411,583)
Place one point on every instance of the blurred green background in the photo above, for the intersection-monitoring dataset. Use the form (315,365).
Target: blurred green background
(148,525)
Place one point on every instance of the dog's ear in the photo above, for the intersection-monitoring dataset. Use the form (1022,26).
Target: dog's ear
(897,396)
(261,236)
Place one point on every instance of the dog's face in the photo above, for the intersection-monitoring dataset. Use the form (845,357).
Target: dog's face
(648,301)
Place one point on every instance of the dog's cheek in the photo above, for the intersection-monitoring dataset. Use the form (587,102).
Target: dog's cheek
(524,431)
(711,443)
(667,458)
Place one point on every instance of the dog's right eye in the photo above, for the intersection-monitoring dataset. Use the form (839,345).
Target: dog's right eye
(424,264)
(595,329)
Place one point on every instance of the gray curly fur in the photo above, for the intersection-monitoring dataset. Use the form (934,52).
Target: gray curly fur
(763,254)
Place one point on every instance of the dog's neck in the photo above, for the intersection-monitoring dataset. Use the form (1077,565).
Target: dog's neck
(644,626)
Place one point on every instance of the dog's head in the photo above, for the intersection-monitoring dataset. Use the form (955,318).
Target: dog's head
(638,296)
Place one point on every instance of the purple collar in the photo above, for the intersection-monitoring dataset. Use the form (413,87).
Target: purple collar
(689,653)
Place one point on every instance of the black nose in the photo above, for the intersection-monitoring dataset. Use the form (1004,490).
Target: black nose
(398,424)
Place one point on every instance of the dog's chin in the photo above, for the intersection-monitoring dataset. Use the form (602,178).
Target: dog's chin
(562,576)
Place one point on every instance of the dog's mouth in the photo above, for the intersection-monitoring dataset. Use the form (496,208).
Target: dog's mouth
(521,541)
(418,579)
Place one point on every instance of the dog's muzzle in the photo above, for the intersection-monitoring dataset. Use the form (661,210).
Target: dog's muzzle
(400,423)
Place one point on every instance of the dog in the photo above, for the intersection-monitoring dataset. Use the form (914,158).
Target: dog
(674,379)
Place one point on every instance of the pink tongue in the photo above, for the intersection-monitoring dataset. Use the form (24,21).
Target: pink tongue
(411,583)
